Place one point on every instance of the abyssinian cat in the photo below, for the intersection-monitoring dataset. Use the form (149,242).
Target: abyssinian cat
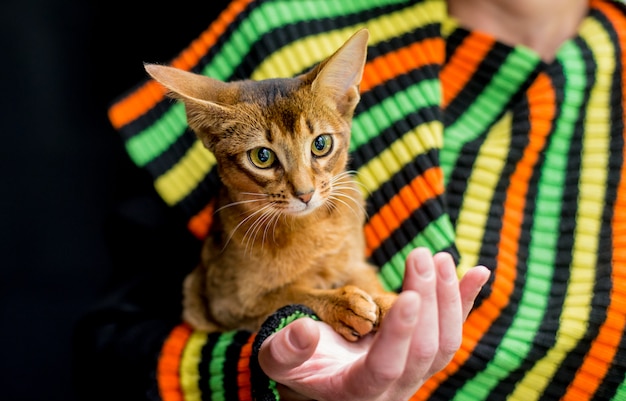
(288,225)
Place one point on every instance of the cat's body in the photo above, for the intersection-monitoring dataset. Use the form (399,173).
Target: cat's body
(288,227)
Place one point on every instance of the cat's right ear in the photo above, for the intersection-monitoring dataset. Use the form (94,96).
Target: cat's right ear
(202,96)
(186,85)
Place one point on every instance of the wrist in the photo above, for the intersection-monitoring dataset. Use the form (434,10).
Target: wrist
(263,387)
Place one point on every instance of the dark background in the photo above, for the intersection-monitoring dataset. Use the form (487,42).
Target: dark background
(63,168)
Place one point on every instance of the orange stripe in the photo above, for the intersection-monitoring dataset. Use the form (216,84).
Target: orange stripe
(463,64)
(243,367)
(149,94)
(200,224)
(406,201)
(401,61)
(542,107)
(168,367)
(604,347)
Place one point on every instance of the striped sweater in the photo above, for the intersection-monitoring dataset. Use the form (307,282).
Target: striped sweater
(463,144)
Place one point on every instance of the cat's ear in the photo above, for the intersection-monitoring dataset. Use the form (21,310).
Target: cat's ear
(203,98)
(340,74)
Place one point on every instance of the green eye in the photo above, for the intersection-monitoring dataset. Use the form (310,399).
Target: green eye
(261,157)
(322,145)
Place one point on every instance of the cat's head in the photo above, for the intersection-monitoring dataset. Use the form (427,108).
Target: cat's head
(284,139)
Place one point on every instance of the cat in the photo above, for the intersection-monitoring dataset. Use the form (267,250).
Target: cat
(288,224)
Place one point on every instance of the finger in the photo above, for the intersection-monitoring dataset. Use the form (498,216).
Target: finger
(288,348)
(385,362)
(449,304)
(470,285)
(421,277)
(453,308)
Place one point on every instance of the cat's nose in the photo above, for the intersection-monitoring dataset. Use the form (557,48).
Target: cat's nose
(305,196)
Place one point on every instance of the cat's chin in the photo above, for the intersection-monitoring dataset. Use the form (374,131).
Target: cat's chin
(303,209)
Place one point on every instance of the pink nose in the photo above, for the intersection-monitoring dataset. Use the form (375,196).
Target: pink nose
(305,197)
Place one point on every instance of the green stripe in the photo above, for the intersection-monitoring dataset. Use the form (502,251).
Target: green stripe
(438,235)
(291,318)
(148,144)
(370,123)
(514,71)
(216,366)
(518,340)
(154,140)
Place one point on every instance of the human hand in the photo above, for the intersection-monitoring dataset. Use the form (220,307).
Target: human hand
(419,336)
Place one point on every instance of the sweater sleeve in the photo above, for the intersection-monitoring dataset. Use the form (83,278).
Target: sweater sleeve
(194,364)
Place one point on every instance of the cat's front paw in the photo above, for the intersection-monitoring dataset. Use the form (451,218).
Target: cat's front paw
(384,303)
(355,313)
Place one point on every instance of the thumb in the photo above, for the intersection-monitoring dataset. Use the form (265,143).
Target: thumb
(289,348)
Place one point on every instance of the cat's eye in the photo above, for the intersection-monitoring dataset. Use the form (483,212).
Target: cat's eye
(262,157)
(322,145)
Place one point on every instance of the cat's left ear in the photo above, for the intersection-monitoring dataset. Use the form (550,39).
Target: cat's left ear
(340,74)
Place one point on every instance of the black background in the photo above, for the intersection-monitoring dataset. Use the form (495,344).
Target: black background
(63,167)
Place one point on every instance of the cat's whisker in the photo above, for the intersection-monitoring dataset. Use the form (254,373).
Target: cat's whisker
(351,175)
(262,222)
(255,194)
(241,202)
(337,197)
(330,206)
(243,221)
(346,187)
(278,216)
(252,232)
(275,215)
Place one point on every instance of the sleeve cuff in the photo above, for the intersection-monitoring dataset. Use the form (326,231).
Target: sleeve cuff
(197,365)
(264,388)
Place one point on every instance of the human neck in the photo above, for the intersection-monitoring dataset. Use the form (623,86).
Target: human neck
(542,25)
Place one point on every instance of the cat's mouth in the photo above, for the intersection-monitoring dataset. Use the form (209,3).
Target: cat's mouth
(297,207)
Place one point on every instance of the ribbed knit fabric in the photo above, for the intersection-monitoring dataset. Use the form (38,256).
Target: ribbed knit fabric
(463,144)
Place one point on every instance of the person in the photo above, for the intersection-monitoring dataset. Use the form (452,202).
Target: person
(489,133)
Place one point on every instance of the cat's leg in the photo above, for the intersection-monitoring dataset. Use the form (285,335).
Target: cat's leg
(351,311)
(195,303)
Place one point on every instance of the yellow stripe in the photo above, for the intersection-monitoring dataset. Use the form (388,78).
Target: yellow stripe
(298,55)
(190,375)
(577,305)
(401,152)
(185,175)
(474,212)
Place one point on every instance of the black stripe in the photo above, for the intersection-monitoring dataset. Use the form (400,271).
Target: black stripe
(372,149)
(615,376)
(203,366)
(231,362)
(493,60)
(201,195)
(617,371)
(166,160)
(453,41)
(144,121)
